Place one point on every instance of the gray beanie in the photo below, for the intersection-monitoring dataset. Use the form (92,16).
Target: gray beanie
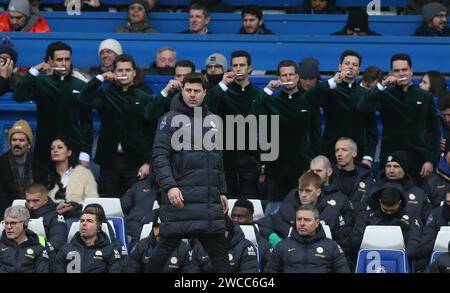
(431,10)
(22,6)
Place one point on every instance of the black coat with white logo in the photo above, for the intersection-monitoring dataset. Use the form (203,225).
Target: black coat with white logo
(140,258)
(101,257)
(438,218)
(410,225)
(199,175)
(28,257)
(54,224)
(137,203)
(418,204)
(363,181)
(241,254)
(308,254)
(334,197)
(435,187)
(282,221)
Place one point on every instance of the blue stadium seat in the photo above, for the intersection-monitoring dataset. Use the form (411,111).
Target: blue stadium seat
(119,227)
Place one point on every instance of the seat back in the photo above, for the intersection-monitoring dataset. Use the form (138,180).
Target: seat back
(75,227)
(442,239)
(146,230)
(119,228)
(257,206)
(37,226)
(383,237)
(111,206)
(19,202)
(382,261)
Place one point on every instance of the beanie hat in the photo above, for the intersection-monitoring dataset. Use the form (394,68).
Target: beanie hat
(217,59)
(22,6)
(6,47)
(21,126)
(143,3)
(309,68)
(357,21)
(112,45)
(431,10)
(399,157)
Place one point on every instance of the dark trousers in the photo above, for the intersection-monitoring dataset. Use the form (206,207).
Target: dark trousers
(241,174)
(215,246)
(117,178)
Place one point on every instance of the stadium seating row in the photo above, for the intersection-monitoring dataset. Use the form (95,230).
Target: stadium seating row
(227,23)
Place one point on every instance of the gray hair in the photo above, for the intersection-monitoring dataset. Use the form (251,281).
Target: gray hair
(309,207)
(20,213)
(162,49)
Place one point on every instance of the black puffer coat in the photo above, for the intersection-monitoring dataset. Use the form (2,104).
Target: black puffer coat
(197,173)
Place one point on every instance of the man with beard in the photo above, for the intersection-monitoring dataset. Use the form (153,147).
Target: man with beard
(58,111)
(216,66)
(434,21)
(41,206)
(18,167)
(22,17)
(252,21)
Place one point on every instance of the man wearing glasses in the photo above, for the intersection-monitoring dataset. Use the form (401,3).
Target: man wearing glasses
(21,250)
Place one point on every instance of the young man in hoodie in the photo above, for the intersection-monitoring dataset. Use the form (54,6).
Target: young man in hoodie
(22,17)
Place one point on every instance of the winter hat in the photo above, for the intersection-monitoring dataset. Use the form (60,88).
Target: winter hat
(431,10)
(22,6)
(21,126)
(357,21)
(6,47)
(399,157)
(143,3)
(217,59)
(309,68)
(112,45)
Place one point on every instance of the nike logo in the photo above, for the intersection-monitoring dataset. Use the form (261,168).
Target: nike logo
(291,249)
(75,92)
(419,103)
(3,249)
(146,190)
(303,110)
(137,103)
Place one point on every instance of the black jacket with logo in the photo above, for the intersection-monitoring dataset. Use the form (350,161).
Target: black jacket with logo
(28,257)
(101,257)
(435,187)
(308,254)
(438,218)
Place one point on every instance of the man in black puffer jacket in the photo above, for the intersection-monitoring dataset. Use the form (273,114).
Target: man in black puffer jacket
(137,204)
(241,252)
(40,205)
(191,177)
(90,250)
(308,250)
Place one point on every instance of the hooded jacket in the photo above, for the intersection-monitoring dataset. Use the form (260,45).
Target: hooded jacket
(410,225)
(435,185)
(54,224)
(28,257)
(438,218)
(334,197)
(35,24)
(426,31)
(140,258)
(199,175)
(241,254)
(98,258)
(308,254)
(441,264)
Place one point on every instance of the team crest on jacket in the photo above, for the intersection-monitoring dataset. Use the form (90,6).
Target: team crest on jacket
(173,260)
(30,251)
(332,202)
(412,196)
(319,249)
(61,219)
(362,184)
(98,253)
(230,256)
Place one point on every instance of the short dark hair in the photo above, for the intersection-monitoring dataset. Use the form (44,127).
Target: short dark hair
(36,188)
(200,6)
(351,53)
(56,46)
(124,58)
(287,63)
(195,77)
(241,53)
(401,56)
(444,102)
(390,196)
(310,178)
(244,203)
(253,10)
(372,73)
(185,63)
(97,215)
(309,207)
(98,209)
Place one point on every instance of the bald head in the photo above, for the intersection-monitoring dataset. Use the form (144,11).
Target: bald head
(321,166)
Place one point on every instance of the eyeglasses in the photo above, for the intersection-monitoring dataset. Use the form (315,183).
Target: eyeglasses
(12,223)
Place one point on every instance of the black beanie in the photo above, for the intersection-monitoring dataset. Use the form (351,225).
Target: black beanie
(358,21)
(6,47)
(399,157)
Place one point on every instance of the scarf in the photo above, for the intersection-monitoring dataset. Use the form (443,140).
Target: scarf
(21,182)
